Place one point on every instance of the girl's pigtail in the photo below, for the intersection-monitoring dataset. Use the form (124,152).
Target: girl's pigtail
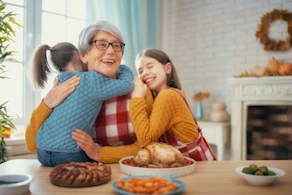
(41,68)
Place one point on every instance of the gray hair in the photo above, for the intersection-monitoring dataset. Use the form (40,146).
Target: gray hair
(86,35)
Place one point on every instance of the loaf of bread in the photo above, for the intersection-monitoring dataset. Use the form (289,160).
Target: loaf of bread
(80,174)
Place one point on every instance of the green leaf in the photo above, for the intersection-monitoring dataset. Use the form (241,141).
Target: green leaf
(8,27)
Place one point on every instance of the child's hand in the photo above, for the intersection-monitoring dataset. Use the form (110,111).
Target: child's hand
(59,92)
(139,88)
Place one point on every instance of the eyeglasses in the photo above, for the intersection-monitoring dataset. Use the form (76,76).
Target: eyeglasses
(103,45)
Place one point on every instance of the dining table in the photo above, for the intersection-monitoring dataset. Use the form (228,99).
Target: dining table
(208,177)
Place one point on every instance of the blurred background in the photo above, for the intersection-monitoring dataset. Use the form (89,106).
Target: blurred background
(207,40)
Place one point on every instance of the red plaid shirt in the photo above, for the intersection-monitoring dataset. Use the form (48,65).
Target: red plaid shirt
(113,125)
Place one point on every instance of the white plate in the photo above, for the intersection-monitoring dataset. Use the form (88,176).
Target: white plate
(260,180)
(182,186)
(171,172)
(16,184)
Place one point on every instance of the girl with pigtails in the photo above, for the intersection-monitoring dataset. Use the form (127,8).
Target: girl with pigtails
(80,109)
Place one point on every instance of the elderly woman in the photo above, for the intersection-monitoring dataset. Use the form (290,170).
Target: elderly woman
(113,136)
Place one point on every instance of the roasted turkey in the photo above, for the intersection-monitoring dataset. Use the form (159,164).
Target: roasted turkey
(157,154)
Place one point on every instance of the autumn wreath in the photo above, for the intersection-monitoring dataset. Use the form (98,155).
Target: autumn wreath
(263,31)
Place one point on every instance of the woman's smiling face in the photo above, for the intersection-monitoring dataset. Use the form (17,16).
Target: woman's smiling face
(153,73)
(106,62)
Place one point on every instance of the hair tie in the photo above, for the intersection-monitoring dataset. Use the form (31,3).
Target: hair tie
(50,49)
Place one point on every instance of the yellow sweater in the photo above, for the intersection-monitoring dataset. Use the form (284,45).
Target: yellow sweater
(169,111)
(107,154)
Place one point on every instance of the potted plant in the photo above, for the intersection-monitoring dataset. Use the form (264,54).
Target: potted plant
(6,124)
(7,33)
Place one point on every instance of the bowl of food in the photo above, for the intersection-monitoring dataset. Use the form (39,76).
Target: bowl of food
(259,175)
(148,185)
(15,184)
(128,167)
(157,159)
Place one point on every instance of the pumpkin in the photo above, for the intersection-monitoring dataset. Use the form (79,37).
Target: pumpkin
(285,69)
(272,67)
(258,71)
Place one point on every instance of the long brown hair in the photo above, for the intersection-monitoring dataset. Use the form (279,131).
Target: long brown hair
(162,57)
(61,54)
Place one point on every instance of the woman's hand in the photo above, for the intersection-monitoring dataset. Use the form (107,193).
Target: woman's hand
(59,92)
(140,88)
(86,143)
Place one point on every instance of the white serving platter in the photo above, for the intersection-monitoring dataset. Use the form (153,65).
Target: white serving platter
(171,172)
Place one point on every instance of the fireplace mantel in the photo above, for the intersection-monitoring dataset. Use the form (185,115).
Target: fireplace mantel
(273,90)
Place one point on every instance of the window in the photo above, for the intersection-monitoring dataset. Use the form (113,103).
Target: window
(11,89)
(69,19)
(45,22)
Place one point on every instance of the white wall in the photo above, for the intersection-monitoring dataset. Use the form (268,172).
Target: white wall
(211,40)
